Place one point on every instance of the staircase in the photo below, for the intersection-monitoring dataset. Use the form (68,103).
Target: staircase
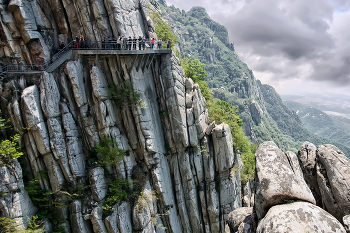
(48,66)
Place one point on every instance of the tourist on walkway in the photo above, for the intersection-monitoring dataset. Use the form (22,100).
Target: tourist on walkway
(124,42)
(143,43)
(140,43)
(168,45)
(160,43)
(103,42)
(129,43)
(152,43)
(61,48)
(77,45)
(119,43)
(134,43)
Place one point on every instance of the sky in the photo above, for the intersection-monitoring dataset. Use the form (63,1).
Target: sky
(296,46)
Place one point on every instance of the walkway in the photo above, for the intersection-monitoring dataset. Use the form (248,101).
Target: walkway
(94,48)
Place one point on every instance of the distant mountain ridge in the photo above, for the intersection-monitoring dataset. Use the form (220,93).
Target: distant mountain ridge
(336,128)
(264,115)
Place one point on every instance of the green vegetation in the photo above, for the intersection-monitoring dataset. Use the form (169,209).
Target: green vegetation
(8,225)
(162,29)
(221,111)
(9,149)
(107,152)
(124,95)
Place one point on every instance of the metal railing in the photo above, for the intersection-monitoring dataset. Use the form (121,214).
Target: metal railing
(121,45)
(94,45)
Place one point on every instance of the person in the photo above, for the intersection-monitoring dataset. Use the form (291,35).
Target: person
(82,42)
(124,42)
(152,43)
(119,43)
(61,48)
(77,42)
(168,45)
(115,46)
(160,43)
(140,43)
(103,42)
(144,43)
(129,43)
(134,43)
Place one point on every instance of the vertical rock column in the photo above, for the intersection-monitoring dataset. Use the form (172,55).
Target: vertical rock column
(225,160)
(39,135)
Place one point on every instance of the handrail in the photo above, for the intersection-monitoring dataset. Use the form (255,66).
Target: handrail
(93,45)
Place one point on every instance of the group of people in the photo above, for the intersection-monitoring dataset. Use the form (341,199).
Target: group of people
(120,43)
(123,43)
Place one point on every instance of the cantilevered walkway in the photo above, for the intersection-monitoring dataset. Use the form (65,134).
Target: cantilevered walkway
(89,49)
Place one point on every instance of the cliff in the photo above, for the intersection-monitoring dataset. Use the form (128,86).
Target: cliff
(264,115)
(179,161)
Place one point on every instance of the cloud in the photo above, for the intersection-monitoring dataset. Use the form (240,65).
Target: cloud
(294,40)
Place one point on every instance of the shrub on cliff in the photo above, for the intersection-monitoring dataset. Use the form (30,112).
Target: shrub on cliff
(221,111)
(163,30)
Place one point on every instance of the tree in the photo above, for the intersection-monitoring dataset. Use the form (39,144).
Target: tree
(194,69)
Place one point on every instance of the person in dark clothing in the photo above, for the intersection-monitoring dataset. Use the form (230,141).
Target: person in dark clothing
(134,43)
(77,45)
(143,43)
(61,48)
(140,43)
(115,45)
(119,42)
(103,42)
(160,43)
(168,44)
(129,43)
(82,43)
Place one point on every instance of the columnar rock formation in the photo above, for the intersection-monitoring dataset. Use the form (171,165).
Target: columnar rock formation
(186,160)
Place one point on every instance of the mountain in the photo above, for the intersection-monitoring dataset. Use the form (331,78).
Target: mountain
(264,115)
(336,128)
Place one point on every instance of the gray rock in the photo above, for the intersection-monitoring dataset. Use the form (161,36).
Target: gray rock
(31,110)
(111,221)
(346,221)
(99,84)
(76,218)
(58,146)
(238,217)
(41,137)
(299,217)
(223,148)
(75,73)
(307,161)
(278,178)
(49,95)
(333,178)
(124,218)
(96,220)
(98,183)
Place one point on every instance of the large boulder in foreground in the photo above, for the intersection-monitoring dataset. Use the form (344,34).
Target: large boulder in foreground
(333,178)
(241,220)
(278,178)
(301,217)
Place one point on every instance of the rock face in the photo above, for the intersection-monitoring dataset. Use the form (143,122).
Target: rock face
(333,178)
(61,116)
(278,178)
(299,217)
(241,220)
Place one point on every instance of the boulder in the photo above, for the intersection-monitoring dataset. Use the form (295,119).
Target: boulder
(98,183)
(307,161)
(333,178)
(346,221)
(31,109)
(241,218)
(278,178)
(49,95)
(301,217)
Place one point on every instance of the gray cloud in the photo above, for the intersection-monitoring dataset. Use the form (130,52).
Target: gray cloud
(287,39)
